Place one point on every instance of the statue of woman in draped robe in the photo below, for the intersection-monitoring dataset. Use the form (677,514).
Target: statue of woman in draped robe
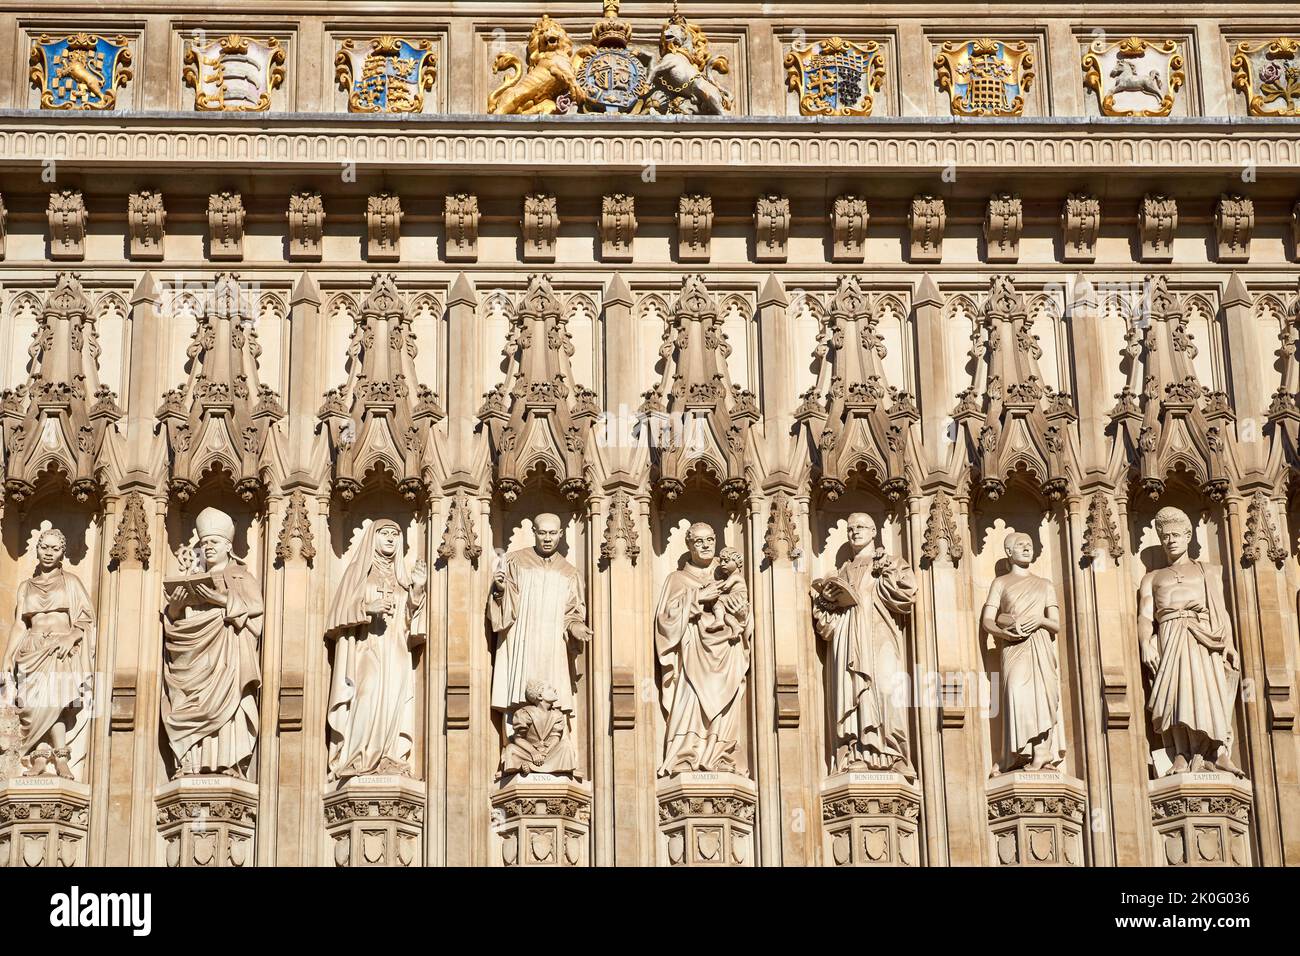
(376,622)
(858,612)
(1187,648)
(50,661)
(703,631)
(211,673)
(1022,614)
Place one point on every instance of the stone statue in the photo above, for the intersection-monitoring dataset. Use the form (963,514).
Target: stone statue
(211,628)
(536,610)
(540,742)
(858,613)
(1187,647)
(49,664)
(1022,614)
(376,621)
(548,80)
(681,80)
(703,631)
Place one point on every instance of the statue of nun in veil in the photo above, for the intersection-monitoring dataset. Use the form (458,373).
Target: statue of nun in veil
(376,622)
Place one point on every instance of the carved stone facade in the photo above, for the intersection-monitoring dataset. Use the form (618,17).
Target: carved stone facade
(868,353)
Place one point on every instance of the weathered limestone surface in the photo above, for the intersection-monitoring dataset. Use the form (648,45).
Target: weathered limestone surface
(735,469)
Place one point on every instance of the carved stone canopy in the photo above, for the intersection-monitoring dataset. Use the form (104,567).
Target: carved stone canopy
(219,420)
(380,421)
(1014,421)
(856,421)
(700,420)
(53,426)
(1165,418)
(539,419)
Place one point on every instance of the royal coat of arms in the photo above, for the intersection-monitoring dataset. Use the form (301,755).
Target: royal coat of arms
(390,75)
(235,73)
(613,79)
(81,71)
(612,75)
(609,75)
(1268,72)
(986,77)
(836,77)
(1134,76)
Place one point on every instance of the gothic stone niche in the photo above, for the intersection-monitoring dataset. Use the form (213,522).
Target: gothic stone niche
(541,804)
(705,795)
(208,821)
(870,819)
(374,803)
(43,822)
(379,545)
(213,551)
(47,679)
(521,632)
(1036,819)
(376,821)
(1015,685)
(1189,644)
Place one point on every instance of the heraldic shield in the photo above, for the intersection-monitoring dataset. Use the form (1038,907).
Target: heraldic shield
(80,72)
(836,77)
(389,75)
(985,77)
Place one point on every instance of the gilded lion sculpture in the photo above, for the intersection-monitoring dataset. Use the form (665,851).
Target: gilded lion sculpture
(551,75)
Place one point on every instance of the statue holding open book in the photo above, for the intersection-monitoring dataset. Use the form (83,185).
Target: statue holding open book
(211,628)
(860,612)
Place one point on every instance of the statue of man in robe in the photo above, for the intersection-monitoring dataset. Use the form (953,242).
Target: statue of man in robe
(376,622)
(859,612)
(703,631)
(211,628)
(538,614)
(1188,649)
(49,664)
(1022,614)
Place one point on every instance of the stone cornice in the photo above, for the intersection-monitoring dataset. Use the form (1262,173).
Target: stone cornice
(579,144)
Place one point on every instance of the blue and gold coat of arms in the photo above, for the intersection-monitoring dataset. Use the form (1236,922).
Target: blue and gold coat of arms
(985,77)
(836,77)
(390,76)
(81,71)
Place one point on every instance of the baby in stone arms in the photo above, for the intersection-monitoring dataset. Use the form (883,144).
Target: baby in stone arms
(733,595)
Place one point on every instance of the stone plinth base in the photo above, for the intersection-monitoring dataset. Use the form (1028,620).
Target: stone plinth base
(43,822)
(376,821)
(1201,819)
(541,820)
(706,819)
(208,820)
(870,819)
(1036,818)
